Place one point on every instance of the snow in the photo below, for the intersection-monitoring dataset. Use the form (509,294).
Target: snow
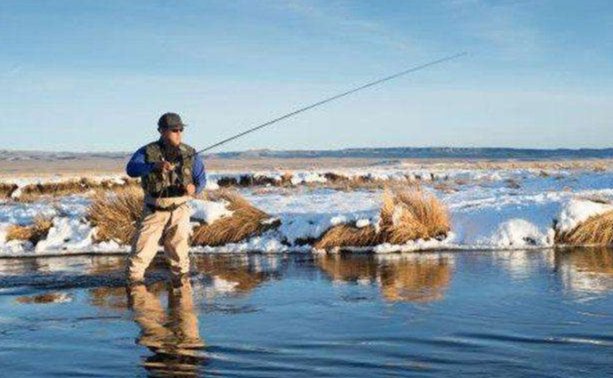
(66,234)
(578,210)
(16,193)
(209,211)
(519,233)
(3,230)
(486,212)
(265,243)
(306,177)
(15,248)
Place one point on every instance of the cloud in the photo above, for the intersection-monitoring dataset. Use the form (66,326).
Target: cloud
(338,17)
(504,27)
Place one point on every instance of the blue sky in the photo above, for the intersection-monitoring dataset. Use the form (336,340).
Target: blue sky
(96,75)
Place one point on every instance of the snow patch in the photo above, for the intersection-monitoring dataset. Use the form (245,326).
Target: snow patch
(519,233)
(305,177)
(66,234)
(305,226)
(209,211)
(577,211)
(267,243)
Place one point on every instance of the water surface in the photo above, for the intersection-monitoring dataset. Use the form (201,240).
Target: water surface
(532,313)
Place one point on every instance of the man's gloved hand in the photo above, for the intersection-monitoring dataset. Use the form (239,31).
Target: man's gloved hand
(190,189)
(163,166)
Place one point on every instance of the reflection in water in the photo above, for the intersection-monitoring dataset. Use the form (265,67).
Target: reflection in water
(234,274)
(172,335)
(54,297)
(489,322)
(580,270)
(586,270)
(402,278)
(521,264)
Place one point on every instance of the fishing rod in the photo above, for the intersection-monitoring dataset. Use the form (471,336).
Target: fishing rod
(330,99)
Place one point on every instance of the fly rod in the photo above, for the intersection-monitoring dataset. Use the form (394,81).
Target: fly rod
(330,99)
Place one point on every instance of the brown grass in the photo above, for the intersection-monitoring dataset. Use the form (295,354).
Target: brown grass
(32,233)
(250,180)
(7,189)
(405,215)
(596,230)
(246,221)
(411,215)
(32,192)
(345,235)
(333,181)
(116,214)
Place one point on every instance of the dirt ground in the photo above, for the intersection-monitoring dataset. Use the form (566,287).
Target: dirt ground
(100,166)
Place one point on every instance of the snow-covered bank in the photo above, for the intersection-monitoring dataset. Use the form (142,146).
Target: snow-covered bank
(490,209)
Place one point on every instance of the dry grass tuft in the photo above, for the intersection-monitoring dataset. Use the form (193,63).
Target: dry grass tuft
(344,235)
(33,233)
(116,214)
(246,221)
(411,215)
(7,189)
(596,230)
(406,215)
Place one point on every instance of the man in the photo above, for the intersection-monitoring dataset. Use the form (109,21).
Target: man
(171,172)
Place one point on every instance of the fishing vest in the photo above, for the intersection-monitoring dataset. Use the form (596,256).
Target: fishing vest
(157,183)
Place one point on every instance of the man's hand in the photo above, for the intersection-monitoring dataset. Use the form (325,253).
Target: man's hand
(163,166)
(190,189)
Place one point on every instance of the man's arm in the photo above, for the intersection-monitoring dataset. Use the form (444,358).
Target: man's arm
(198,174)
(137,166)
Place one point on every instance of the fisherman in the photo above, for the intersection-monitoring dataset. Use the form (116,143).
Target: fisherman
(171,173)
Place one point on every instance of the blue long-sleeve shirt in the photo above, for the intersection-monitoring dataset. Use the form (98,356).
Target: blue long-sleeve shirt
(138,167)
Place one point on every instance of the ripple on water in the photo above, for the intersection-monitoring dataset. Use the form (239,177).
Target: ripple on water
(334,316)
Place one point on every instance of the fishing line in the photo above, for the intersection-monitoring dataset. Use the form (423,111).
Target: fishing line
(330,99)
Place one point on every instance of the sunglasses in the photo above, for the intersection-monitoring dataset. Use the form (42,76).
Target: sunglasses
(176,130)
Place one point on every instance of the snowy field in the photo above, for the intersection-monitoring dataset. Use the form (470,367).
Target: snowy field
(490,209)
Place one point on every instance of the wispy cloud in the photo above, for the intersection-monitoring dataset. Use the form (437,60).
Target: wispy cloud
(504,27)
(338,17)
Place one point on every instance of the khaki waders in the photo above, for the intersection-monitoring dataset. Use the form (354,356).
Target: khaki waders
(167,218)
